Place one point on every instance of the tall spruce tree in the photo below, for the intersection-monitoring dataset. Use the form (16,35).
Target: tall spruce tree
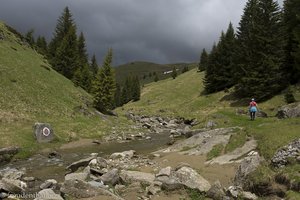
(259,54)
(136,89)
(41,45)
(203,61)
(210,78)
(64,24)
(105,85)
(67,55)
(94,66)
(291,20)
(82,76)
(29,38)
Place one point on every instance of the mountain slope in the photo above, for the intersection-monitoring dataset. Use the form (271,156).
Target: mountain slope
(181,97)
(31,91)
(144,69)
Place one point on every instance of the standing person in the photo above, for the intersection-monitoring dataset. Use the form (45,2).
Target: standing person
(252,109)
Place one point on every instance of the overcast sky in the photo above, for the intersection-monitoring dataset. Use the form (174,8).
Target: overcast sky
(162,31)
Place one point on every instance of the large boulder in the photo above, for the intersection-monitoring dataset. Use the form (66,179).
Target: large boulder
(43,132)
(81,163)
(191,179)
(12,186)
(286,153)
(77,176)
(48,194)
(289,111)
(81,189)
(248,165)
(136,176)
(111,177)
(216,191)
(121,155)
(11,173)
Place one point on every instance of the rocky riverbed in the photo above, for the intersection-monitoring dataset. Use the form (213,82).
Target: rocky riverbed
(166,161)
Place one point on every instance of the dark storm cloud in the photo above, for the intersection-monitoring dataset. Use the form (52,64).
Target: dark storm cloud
(162,31)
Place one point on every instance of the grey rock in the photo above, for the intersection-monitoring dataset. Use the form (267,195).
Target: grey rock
(152,190)
(211,124)
(191,179)
(54,154)
(81,189)
(111,177)
(216,191)
(169,183)
(147,125)
(29,179)
(289,111)
(11,173)
(96,183)
(3,195)
(164,171)
(101,162)
(50,183)
(43,132)
(182,164)
(248,165)
(81,163)
(77,176)
(96,142)
(97,172)
(281,157)
(121,155)
(12,186)
(262,114)
(248,196)
(136,176)
(234,191)
(48,194)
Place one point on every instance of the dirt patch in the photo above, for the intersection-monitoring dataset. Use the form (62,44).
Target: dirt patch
(212,173)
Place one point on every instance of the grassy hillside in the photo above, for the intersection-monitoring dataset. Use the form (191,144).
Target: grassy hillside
(181,97)
(31,91)
(144,69)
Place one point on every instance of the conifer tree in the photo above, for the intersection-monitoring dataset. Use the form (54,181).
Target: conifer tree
(209,78)
(41,45)
(29,38)
(118,92)
(105,85)
(136,89)
(203,61)
(82,76)
(291,21)
(259,53)
(94,66)
(64,24)
(67,55)
(174,73)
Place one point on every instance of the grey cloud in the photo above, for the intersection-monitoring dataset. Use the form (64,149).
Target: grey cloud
(162,31)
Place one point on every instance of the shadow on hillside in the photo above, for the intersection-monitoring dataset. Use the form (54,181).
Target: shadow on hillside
(235,100)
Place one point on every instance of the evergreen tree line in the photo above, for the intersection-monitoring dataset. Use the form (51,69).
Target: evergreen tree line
(262,57)
(130,91)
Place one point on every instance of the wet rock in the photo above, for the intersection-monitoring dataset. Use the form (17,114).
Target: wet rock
(216,191)
(48,194)
(136,176)
(29,179)
(12,173)
(54,154)
(248,165)
(164,172)
(286,153)
(289,111)
(111,177)
(3,195)
(81,163)
(12,186)
(81,189)
(43,132)
(77,176)
(125,154)
(50,183)
(191,179)
(6,154)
